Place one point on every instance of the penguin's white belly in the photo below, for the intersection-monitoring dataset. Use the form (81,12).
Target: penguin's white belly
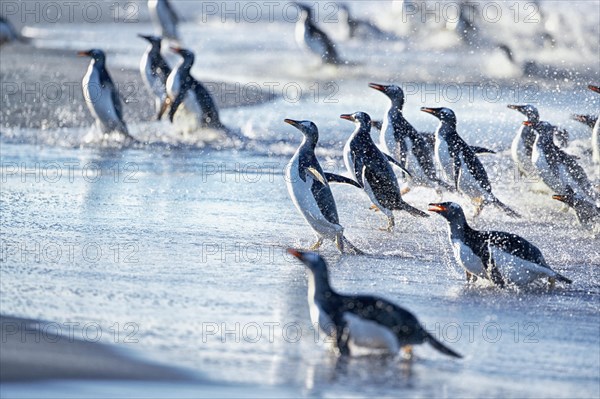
(349,161)
(305,202)
(544,171)
(519,155)
(99,100)
(467,259)
(596,142)
(370,335)
(153,82)
(444,160)
(189,102)
(387,139)
(468,184)
(516,270)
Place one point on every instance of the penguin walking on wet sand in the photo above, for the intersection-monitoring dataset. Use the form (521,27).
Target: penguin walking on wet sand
(101,95)
(164,18)
(372,170)
(588,213)
(310,37)
(155,71)
(596,132)
(402,141)
(460,165)
(361,322)
(309,188)
(502,258)
(556,168)
(183,88)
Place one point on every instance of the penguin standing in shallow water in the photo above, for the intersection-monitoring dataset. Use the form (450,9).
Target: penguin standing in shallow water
(183,88)
(155,71)
(587,212)
(309,36)
(371,169)
(165,18)
(402,141)
(361,321)
(502,258)
(309,188)
(460,165)
(522,144)
(101,95)
(557,168)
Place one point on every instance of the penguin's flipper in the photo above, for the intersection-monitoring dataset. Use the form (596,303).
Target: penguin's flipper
(398,164)
(177,102)
(412,210)
(457,168)
(441,347)
(318,176)
(562,278)
(481,150)
(333,178)
(508,210)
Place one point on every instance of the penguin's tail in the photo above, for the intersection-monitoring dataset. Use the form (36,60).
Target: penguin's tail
(403,206)
(350,248)
(508,210)
(441,347)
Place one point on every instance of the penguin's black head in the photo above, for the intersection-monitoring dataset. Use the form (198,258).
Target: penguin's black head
(154,40)
(308,128)
(444,114)
(449,210)
(528,110)
(394,92)
(594,88)
(95,54)
(312,260)
(185,53)
(305,11)
(568,197)
(361,118)
(542,127)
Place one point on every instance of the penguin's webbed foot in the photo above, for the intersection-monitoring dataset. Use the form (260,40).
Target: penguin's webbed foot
(317,244)
(374,208)
(407,352)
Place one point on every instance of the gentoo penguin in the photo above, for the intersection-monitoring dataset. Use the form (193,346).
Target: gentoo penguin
(460,165)
(402,141)
(8,33)
(371,169)
(164,18)
(522,144)
(360,322)
(309,188)
(310,37)
(556,168)
(588,120)
(101,95)
(596,132)
(587,212)
(155,71)
(183,88)
(502,258)
(355,28)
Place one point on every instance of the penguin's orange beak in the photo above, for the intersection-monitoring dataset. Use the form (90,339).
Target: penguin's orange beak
(295,253)
(594,88)
(175,49)
(528,123)
(83,53)
(291,122)
(428,110)
(348,117)
(560,198)
(437,208)
(377,87)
